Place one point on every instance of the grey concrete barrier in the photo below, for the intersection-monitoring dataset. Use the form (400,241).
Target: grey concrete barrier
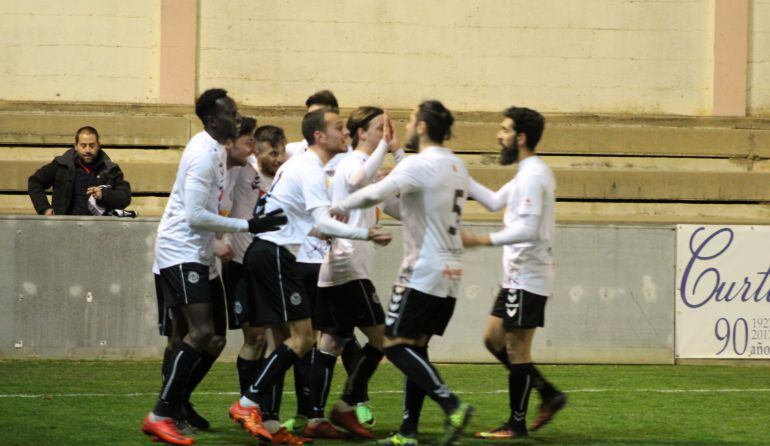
(79,287)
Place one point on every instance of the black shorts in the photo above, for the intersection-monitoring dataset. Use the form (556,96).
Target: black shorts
(166,292)
(273,285)
(353,304)
(319,309)
(233,274)
(519,309)
(412,314)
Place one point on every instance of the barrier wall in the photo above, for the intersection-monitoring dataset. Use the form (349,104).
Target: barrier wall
(82,288)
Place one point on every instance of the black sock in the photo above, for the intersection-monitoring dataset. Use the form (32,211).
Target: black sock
(247,371)
(546,390)
(358,380)
(422,372)
(270,404)
(413,399)
(275,367)
(321,375)
(302,383)
(519,387)
(171,393)
(197,374)
(350,354)
(168,359)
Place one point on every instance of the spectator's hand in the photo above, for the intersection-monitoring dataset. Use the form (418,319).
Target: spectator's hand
(269,222)
(378,236)
(48,212)
(96,191)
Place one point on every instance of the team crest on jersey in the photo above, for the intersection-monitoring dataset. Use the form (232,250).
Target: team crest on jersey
(238,308)
(295,299)
(193,277)
(375,298)
(255,183)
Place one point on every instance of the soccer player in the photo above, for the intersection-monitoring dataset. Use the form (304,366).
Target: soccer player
(251,182)
(528,267)
(432,187)
(299,189)
(311,255)
(344,284)
(184,258)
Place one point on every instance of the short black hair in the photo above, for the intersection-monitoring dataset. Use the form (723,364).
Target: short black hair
(438,119)
(86,129)
(360,119)
(325,98)
(248,125)
(528,122)
(312,122)
(270,134)
(206,104)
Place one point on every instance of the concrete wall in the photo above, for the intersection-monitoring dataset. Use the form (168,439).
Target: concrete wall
(606,56)
(759,58)
(79,50)
(82,288)
(593,55)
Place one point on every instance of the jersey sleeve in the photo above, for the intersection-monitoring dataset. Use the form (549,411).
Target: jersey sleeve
(408,175)
(314,189)
(200,174)
(530,193)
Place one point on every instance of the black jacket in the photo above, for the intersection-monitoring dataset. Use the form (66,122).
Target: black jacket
(60,174)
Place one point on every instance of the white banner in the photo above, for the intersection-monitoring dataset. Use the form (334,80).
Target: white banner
(723,291)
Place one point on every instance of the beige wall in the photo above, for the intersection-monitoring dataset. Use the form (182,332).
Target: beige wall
(79,50)
(759,58)
(556,55)
(571,56)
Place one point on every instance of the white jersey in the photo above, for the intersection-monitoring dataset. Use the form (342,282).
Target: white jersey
(348,259)
(299,187)
(296,148)
(249,184)
(202,167)
(529,265)
(433,186)
(313,249)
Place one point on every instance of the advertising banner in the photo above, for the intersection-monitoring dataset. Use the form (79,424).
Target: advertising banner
(723,292)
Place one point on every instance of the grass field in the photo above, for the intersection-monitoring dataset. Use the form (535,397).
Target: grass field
(101,403)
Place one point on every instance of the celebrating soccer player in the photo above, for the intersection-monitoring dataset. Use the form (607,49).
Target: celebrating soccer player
(432,187)
(528,268)
(346,291)
(185,272)
(299,189)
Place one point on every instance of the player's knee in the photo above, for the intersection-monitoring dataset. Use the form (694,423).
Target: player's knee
(517,354)
(217,344)
(304,342)
(255,338)
(201,336)
(494,345)
(174,342)
(332,344)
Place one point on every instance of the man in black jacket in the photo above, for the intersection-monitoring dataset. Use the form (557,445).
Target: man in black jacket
(75,176)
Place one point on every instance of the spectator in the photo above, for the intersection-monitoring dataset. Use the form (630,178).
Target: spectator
(76,175)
